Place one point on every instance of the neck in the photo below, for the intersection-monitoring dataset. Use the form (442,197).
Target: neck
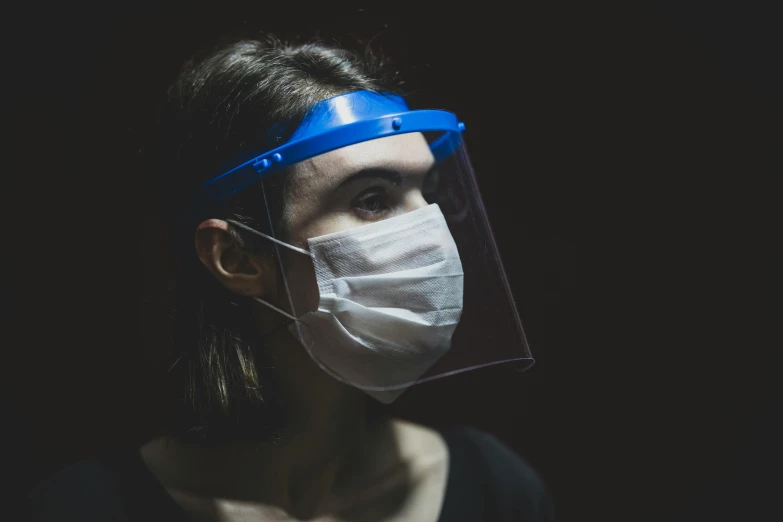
(326,431)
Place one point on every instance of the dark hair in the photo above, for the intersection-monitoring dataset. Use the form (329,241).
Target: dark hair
(237,101)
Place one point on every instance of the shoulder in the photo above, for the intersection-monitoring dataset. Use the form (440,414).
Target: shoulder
(511,488)
(86,490)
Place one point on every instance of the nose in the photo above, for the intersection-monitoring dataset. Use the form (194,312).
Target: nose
(414,200)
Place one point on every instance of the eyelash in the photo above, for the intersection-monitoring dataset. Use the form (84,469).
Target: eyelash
(369,194)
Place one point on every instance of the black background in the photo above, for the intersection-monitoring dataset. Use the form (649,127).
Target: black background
(628,155)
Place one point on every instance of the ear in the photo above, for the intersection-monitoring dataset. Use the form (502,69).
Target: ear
(234,268)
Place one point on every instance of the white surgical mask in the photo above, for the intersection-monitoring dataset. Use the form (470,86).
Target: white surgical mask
(390,299)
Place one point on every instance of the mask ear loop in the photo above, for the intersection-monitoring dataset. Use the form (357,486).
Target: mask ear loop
(279,260)
(270,238)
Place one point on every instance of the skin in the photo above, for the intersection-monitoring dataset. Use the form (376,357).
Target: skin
(334,464)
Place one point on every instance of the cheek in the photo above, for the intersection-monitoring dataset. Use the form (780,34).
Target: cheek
(329,222)
(302,284)
(413,200)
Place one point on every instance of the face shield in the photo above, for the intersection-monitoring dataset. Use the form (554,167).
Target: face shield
(390,273)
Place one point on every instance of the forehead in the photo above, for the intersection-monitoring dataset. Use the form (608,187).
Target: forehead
(404,153)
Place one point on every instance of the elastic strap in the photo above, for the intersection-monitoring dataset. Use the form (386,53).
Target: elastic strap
(273,307)
(270,238)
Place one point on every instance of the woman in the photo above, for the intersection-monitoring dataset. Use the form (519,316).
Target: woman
(331,251)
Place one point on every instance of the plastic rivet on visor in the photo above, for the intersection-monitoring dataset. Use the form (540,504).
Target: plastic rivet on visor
(396,123)
(262,164)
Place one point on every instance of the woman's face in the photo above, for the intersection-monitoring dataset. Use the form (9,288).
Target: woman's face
(348,188)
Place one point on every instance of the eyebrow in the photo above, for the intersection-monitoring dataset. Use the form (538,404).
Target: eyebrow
(390,175)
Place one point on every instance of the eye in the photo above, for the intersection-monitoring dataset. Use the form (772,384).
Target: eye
(374,200)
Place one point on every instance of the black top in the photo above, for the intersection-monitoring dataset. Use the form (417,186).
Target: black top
(486,482)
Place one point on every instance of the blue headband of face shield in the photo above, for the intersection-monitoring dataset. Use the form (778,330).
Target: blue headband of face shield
(335,123)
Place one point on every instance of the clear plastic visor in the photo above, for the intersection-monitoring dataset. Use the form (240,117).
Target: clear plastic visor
(394,278)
